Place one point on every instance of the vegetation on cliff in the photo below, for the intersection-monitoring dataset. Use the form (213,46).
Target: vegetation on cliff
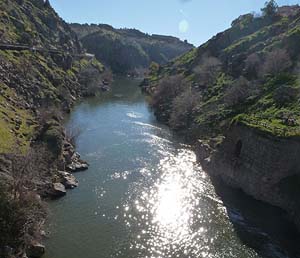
(35,88)
(248,74)
(128,50)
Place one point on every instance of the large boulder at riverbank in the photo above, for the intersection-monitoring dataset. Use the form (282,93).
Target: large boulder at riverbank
(68,180)
(77,164)
(58,190)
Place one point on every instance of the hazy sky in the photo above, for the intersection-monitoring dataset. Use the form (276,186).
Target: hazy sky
(194,20)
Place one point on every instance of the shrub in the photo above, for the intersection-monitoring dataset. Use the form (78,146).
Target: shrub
(21,211)
(239,91)
(182,109)
(208,70)
(72,134)
(166,91)
(252,64)
(276,62)
(285,95)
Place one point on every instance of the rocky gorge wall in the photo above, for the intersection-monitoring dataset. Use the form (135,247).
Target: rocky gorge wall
(263,166)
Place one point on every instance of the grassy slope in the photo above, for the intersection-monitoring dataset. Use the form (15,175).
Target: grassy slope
(31,80)
(231,47)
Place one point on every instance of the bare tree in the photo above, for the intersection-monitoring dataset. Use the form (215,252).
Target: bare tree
(72,134)
(239,91)
(165,92)
(207,70)
(276,61)
(252,64)
(21,211)
(167,89)
(183,107)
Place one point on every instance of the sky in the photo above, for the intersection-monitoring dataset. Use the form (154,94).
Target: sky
(193,20)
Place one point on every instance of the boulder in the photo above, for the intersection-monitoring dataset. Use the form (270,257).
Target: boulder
(77,166)
(35,250)
(68,180)
(58,190)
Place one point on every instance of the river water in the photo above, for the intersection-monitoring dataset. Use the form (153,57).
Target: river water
(144,196)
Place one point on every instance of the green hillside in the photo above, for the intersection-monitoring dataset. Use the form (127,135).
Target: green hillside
(128,50)
(248,73)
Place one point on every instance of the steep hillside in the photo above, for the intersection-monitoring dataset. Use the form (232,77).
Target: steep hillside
(36,79)
(240,93)
(127,50)
(247,73)
(38,82)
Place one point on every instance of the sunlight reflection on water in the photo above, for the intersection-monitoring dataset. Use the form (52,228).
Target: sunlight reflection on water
(168,208)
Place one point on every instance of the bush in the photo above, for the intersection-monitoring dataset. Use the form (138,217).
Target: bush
(285,95)
(252,64)
(239,91)
(208,70)
(167,89)
(183,107)
(72,134)
(276,62)
(21,211)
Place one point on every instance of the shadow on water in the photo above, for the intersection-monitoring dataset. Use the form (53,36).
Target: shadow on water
(263,227)
(118,93)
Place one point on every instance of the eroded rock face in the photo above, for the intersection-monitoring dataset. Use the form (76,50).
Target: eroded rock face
(263,166)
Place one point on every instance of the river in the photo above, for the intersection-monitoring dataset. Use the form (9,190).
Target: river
(144,195)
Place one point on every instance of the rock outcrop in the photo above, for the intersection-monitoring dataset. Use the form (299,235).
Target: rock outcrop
(57,190)
(264,167)
(68,180)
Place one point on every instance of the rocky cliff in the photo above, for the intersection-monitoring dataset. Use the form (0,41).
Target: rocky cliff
(239,93)
(128,50)
(265,167)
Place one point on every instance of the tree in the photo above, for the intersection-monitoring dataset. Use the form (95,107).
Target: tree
(239,92)
(285,95)
(183,107)
(208,70)
(166,91)
(252,64)
(270,9)
(276,61)
(21,211)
